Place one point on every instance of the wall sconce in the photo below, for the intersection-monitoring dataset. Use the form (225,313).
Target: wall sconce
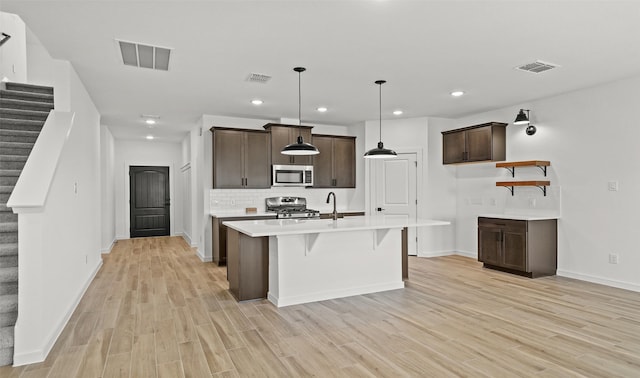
(523,119)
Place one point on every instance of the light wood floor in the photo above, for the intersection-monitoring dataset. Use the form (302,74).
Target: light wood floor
(155,310)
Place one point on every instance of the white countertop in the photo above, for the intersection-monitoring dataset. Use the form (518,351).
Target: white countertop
(527,217)
(275,227)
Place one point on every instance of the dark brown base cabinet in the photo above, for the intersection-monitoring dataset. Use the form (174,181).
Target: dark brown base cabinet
(525,247)
(219,233)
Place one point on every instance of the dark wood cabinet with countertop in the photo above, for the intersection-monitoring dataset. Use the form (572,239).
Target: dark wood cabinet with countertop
(241,159)
(219,237)
(484,142)
(282,135)
(525,247)
(335,165)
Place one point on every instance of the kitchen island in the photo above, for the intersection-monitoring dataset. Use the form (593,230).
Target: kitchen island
(293,261)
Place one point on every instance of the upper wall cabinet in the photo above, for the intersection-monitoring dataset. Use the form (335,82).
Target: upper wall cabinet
(484,142)
(241,159)
(281,135)
(335,165)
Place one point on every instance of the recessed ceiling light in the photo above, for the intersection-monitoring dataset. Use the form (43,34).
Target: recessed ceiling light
(150,121)
(457,93)
(256,102)
(150,137)
(322,109)
(397,112)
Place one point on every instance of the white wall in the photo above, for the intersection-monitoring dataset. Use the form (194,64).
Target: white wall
(436,196)
(60,243)
(185,179)
(13,54)
(150,153)
(107,196)
(590,137)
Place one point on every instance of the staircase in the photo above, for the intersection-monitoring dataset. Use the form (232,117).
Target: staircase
(23,111)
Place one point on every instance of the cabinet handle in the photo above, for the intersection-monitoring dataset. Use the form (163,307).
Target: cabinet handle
(246,181)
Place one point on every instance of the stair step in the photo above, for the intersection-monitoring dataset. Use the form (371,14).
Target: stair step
(8,309)
(6,356)
(18,133)
(8,249)
(8,288)
(9,261)
(9,237)
(8,227)
(6,189)
(10,172)
(23,114)
(6,337)
(15,148)
(8,180)
(10,103)
(27,96)
(21,124)
(9,274)
(20,87)
(18,138)
(8,217)
(12,161)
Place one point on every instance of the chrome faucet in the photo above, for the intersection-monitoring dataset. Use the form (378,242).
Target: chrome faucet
(334,214)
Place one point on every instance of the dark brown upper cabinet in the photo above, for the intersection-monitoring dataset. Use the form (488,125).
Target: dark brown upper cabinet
(484,142)
(335,166)
(281,135)
(241,159)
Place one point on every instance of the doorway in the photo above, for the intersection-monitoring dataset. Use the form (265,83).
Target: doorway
(149,201)
(395,184)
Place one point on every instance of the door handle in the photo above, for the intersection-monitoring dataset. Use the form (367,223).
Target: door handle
(379,209)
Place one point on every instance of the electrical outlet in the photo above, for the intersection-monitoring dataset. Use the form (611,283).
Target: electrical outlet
(532,202)
(612,186)
(613,258)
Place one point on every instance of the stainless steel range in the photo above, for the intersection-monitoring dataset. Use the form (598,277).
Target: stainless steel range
(290,207)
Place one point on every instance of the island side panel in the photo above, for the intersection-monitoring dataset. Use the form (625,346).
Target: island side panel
(247,265)
(405,253)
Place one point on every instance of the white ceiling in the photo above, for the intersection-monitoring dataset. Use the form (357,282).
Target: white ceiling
(424,49)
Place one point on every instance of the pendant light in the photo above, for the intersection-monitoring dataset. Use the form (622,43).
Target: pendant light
(380,152)
(300,147)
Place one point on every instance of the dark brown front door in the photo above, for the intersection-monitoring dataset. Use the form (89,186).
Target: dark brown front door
(149,193)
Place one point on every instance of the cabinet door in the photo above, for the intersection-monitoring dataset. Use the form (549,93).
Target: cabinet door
(344,162)
(228,159)
(478,144)
(279,139)
(453,149)
(489,244)
(256,168)
(323,162)
(515,246)
(306,136)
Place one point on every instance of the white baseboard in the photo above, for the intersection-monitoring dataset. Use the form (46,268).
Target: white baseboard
(598,280)
(202,257)
(472,255)
(436,253)
(40,355)
(186,238)
(109,248)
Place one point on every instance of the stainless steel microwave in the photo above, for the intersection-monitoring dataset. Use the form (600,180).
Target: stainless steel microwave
(292,175)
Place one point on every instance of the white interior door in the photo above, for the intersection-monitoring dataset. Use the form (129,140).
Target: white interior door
(395,185)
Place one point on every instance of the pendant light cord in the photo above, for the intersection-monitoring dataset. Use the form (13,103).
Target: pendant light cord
(299,106)
(380,110)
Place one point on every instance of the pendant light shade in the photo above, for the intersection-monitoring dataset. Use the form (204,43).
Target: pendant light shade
(380,152)
(300,147)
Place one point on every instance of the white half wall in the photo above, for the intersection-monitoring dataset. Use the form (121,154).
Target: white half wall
(590,136)
(146,153)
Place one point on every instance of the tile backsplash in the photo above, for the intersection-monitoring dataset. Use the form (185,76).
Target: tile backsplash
(238,199)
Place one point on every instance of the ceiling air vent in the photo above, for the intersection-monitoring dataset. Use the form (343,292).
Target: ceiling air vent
(537,67)
(144,56)
(258,78)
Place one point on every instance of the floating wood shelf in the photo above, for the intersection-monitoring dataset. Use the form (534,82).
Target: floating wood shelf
(542,185)
(511,166)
